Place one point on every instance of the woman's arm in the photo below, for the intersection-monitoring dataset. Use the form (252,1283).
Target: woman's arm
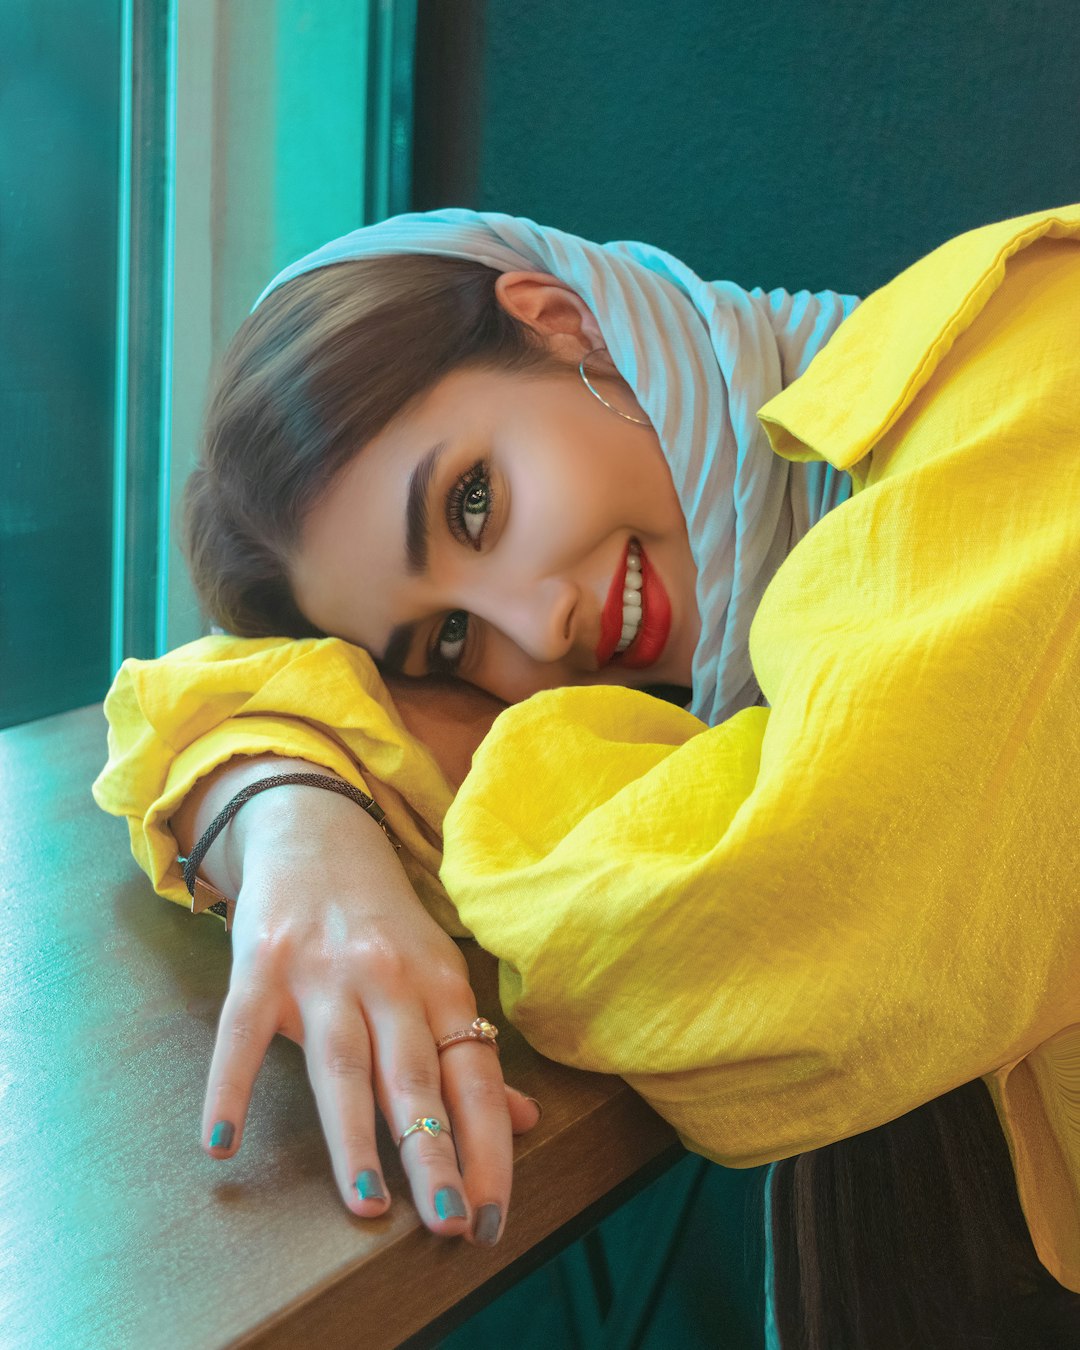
(175,720)
(332,948)
(448,717)
(331,945)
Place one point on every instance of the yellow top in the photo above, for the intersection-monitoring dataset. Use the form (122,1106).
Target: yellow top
(809,920)
(174,720)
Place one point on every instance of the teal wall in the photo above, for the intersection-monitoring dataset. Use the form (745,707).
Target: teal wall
(159,162)
(807,144)
(59,110)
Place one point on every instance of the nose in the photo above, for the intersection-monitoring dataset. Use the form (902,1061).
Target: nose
(537,614)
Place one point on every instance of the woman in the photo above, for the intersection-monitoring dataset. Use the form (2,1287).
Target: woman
(510,490)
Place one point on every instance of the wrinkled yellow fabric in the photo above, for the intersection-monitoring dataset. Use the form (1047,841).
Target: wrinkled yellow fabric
(174,720)
(807,921)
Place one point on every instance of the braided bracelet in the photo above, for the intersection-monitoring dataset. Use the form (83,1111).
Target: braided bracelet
(201,891)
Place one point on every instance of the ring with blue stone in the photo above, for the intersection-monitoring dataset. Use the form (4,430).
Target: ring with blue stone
(429,1125)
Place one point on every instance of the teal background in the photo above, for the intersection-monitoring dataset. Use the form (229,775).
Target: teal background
(59,111)
(676,1267)
(813,144)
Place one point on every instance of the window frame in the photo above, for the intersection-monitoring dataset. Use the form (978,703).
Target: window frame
(251,132)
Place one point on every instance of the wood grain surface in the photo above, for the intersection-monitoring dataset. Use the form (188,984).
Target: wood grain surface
(116,1230)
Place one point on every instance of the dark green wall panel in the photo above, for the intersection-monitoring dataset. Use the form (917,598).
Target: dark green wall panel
(59,88)
(795,144)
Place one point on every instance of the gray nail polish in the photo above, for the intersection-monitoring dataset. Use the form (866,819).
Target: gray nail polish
(486,1228)
(449,1204)
(223,1135)
(368,1185)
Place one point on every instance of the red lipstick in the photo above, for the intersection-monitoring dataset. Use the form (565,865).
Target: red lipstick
(652,635)
(611,616)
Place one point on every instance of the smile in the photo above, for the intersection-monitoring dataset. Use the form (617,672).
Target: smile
(636,618)
(631,600)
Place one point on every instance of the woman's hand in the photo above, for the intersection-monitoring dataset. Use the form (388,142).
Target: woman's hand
(332,948)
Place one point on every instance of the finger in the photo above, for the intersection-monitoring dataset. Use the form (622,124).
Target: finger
(476,1096)
(247,1025)
(338,1052)
(409,1089)
(525,1112)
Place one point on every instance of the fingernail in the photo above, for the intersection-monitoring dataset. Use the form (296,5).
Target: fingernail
(223,1134)
(368,1185)
(486,1228)
(449,1204)
(539,1108)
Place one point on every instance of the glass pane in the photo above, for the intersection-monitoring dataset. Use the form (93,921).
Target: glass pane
(58,164)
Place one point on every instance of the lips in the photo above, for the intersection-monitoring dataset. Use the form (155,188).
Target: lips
(652,636)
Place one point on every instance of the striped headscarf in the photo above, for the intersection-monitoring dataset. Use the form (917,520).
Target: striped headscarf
(701,358)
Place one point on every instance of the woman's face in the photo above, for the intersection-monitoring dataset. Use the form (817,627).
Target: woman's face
(490,532)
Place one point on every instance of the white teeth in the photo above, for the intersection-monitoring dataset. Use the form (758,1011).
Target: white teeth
(631,614)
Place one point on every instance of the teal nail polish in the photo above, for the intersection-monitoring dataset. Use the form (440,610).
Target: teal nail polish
(449,1204)
(368,1185)
(223,1135)
(486,1227)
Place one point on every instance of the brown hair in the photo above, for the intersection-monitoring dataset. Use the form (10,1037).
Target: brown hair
(912,1235)
(323,365)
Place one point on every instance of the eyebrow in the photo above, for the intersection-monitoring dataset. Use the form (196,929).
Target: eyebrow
(417,525)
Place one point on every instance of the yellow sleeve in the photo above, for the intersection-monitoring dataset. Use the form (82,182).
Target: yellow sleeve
(753,924)
(801,924)
(174,720)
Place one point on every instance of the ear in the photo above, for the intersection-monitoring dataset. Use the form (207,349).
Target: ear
(553,309)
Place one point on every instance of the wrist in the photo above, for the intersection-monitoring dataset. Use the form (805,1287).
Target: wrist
(299,827)
(270,800)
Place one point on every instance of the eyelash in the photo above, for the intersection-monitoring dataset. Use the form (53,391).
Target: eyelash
(456,513)
(438,664)
(457,504)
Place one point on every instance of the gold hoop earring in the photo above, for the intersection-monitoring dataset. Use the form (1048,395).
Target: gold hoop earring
(581,367)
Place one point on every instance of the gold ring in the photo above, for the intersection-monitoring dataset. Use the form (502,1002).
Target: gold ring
(429,1125)
(480,1030)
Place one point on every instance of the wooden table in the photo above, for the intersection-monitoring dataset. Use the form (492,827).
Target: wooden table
(116,1230)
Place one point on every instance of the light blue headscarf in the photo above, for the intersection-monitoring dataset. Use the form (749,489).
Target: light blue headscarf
(701,357)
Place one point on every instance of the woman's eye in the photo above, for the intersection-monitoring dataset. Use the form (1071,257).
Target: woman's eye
(475,509)
(469,505)
(451,644)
